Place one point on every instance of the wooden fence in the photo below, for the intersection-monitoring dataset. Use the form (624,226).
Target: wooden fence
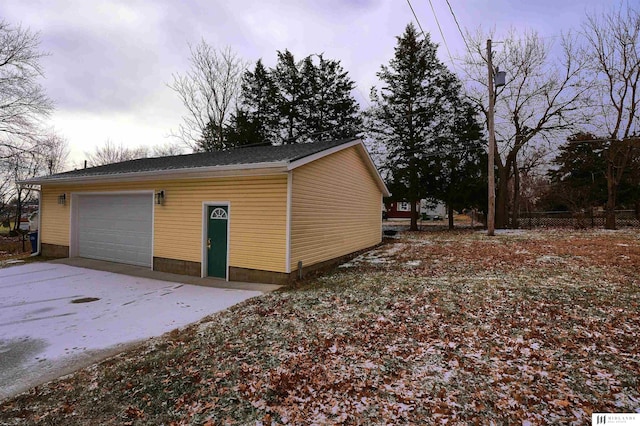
(581,219)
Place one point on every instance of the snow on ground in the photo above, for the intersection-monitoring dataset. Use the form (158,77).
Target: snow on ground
(550,259)
(378,256)
(511,231)
(41,327)
(489,330)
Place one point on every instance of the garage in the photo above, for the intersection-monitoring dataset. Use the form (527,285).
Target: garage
(115,227)
(264,214)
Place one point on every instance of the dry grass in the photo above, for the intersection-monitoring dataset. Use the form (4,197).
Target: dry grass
(523,328)
(11,247)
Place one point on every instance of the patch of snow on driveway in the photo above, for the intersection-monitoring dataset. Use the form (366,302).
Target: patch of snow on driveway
(41,329)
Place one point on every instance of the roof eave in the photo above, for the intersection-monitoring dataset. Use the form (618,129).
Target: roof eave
(185,173)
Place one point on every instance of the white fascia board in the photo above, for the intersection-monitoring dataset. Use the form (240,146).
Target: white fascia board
(363,149)
(191,173)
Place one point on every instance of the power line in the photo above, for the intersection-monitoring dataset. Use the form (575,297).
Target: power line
(441,33)
(455,18)
(631,139)
(416,17)
(444,40)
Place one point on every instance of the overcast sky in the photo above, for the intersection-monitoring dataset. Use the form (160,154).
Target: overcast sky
(110,61)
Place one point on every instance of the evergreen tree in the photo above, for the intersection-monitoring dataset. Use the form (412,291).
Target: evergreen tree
(244,130)
(410,113)
(579,180)
(258,102)
(292,96)
(461,163)
(255,120)
(334,113)
(297,101)
(210,139)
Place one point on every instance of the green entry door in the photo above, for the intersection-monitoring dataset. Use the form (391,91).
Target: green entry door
(217,241)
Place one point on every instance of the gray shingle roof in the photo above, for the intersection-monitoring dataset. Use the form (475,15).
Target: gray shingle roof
(238,156)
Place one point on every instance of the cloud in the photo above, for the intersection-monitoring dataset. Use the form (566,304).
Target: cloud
(103,56)
(110,61)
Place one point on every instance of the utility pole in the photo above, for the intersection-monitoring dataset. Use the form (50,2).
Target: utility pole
(491,214)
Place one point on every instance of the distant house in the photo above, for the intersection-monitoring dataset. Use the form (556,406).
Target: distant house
(399,209)
(433,211)
(24,224)
(402,209)
(247,214)
(33,221)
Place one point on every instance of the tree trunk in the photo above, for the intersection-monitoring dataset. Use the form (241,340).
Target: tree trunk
(220,131)
(610,213)
(502,194)
(414,216)
(515,206)
(16,224)
(450,214)
(290,132)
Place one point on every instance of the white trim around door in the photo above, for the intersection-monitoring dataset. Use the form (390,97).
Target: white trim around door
(205,229)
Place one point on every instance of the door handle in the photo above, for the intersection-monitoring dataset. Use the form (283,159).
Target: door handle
(209,243)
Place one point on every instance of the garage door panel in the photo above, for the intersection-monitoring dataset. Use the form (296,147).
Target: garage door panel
(117,228)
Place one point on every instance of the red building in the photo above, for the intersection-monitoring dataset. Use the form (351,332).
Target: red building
(399,209)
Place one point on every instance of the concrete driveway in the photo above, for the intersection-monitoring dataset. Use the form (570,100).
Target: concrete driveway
(57,318)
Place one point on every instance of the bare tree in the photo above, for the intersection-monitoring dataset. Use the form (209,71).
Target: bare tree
(542,99)
(23,103)
(208,91)
(527,179)
(112,153)
(23,106)
(5,189)
(533,188)
(55,152)
(48,156)
(20,165)
(613,49)
(168,149)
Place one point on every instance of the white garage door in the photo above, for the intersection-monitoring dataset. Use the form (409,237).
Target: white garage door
(117,228)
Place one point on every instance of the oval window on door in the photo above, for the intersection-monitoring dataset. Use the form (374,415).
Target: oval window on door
(218,213)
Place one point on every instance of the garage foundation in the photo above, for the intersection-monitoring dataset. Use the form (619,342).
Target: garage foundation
(54,250)
(174,266)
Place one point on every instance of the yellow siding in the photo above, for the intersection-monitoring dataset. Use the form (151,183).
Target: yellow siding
(54,217)
(335,210)
(257,217)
